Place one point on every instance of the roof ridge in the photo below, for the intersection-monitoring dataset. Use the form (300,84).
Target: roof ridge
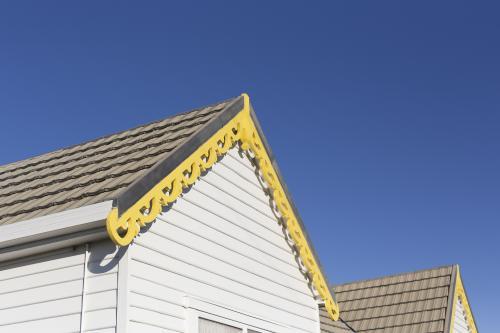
(392,275)
(110,135)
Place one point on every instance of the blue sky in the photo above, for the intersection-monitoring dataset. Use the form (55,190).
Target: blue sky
(384,116)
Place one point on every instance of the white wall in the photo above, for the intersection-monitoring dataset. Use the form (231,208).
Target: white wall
(43,293)
(220,242)
(460,322)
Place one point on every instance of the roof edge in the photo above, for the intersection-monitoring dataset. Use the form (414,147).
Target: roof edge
(57,224)
(451,300)
(258,127)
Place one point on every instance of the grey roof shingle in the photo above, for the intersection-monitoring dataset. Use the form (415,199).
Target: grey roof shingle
(94,171)
(406,303)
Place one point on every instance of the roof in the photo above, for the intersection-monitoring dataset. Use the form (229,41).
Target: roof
(414,302)
(147,168)
(94,171)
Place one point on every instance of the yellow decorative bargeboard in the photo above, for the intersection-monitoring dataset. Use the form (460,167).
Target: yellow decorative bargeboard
(240,129)
(460,295)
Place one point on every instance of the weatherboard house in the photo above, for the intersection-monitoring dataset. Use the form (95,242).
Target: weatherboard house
(186,225)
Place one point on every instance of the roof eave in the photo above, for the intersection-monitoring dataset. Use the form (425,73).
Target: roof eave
(54,225)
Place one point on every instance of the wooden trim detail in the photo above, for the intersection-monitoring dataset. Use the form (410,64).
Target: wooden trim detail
(239,130)
(462,296)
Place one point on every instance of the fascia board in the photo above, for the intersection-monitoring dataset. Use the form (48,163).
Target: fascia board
(53,225)
(451,301)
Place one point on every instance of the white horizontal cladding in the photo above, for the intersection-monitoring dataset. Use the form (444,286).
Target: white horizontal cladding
(221,242)
(65,222)
(460,324)
(44,293)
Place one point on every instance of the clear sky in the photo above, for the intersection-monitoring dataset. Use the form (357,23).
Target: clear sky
(384,116)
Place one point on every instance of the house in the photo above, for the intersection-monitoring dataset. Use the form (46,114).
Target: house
(181,225)
(432,300)
(185,225)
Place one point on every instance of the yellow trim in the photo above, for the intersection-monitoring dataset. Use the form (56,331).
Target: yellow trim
(460,295)
(241,129)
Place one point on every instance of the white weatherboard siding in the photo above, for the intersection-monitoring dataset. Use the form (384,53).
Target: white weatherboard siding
(43,293)
(460,322)
(219,242)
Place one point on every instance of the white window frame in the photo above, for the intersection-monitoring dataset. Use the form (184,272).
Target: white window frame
(197,308)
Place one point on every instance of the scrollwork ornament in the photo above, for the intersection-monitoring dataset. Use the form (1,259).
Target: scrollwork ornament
(462,297)
(240,130)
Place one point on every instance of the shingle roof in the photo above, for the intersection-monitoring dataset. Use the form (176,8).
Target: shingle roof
(123,167)
(97,170)
(415,302)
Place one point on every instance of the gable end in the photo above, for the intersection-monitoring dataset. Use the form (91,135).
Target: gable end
(461,319)
(124,225)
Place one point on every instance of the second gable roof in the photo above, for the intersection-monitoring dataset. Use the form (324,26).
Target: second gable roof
(422,301)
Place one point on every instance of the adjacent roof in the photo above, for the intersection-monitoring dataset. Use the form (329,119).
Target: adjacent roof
(417,302)
(97,170)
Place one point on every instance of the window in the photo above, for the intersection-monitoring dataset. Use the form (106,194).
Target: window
(207,317)
(210,326)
